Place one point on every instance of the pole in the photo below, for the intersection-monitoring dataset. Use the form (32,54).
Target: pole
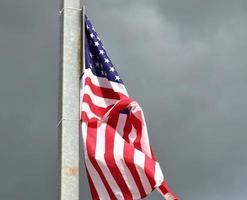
(68,111)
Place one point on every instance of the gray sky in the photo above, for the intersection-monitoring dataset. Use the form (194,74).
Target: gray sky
(183,61)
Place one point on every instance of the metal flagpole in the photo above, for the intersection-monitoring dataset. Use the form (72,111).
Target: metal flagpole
(69,96)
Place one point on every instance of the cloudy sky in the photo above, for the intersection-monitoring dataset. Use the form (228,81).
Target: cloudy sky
(183,61)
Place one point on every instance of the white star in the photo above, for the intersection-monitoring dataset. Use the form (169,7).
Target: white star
(92,35)
(98,38)
(107,60)
(101,52)
(112,69)
(93,29)
(91,55)
(87,27)
(103,47)
(96,64)
(96,44)
(117,78)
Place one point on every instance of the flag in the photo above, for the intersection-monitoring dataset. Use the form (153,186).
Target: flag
(120,163)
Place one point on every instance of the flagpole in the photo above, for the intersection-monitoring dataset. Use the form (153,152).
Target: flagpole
(68,111)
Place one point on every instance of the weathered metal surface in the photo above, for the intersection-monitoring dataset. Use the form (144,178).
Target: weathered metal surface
(68,111)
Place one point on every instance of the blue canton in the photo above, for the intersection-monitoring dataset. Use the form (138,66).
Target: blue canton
(96,56)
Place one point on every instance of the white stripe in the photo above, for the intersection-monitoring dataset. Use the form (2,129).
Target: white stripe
(139,160)
(98,101)
(98,184)
(119,158)
(169,196)
(121,123)
(145,140)
(132,135)
(104,82)
(99,156)
(158,175)
(137,111)
(90,114)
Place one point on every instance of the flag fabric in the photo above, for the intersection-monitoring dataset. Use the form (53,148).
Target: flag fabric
(119,161)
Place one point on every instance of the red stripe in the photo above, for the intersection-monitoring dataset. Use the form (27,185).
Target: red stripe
(91,146)
(109,157)
(152,153)
(97,110)
(127,129)
(165,189)
(85,118)
(149,167)
(94,193)
(138,126)
(129,157)
(129,160)
(103,92)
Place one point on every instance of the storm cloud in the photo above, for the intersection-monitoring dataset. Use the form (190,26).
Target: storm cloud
(183,61)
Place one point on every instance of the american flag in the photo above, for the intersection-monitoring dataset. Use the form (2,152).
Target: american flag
(119,161)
